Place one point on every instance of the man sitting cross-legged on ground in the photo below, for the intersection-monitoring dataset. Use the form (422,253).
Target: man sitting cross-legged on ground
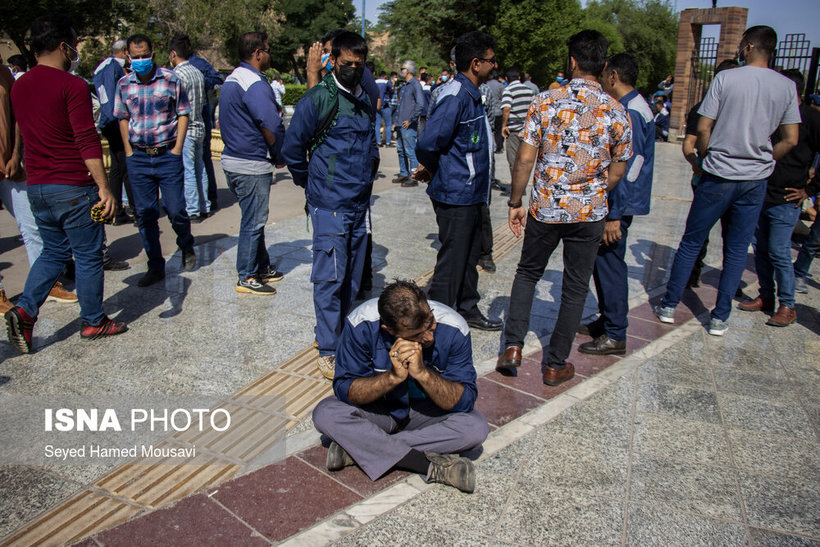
(405,387)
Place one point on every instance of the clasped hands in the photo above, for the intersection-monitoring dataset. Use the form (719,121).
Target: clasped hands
(406,358)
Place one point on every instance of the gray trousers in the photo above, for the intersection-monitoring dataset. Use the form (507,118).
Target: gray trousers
(377,441)
(513,143)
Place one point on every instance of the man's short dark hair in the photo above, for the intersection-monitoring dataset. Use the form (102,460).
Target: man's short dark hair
(49,31)
(250,42)
(473,45)
(140,39)
(796,76)
(726,64)
(383,75)
(349,41)
(625,66)
(403,304)
(18,60)
(181,45)
(513,74)
(331,35)
(762,37)
(588,48)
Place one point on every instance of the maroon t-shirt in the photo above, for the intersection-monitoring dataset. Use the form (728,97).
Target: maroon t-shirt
(53,109)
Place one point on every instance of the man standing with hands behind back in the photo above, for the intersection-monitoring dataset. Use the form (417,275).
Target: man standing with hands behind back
(153,110)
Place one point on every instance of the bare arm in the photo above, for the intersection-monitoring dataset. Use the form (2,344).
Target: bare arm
(521,173)
(182,129)
(369,388)
(124,134)
(704,133)
(789,135)
(445,393)
(690,154)
(616,171)
(505,115)
(14,167)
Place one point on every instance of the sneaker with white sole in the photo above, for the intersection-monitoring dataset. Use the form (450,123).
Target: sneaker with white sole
(664,314)
(717,327)
(269,275)
(252,286)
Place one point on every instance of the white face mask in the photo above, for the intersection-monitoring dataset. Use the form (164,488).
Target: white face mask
(120,61)
(75,62)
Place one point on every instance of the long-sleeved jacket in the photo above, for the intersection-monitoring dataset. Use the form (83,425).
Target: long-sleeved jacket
(106,76)
(456,145)
(411,102)
(339,174)
(364,350)
(246,105)
(634,192)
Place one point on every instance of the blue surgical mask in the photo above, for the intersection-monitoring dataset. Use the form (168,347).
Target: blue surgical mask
(326,62)
(444,78)
(142,66)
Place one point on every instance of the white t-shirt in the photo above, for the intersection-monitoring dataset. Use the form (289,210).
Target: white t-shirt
(748,104)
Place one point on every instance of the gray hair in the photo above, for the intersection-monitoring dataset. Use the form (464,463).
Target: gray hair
(411,67)
(118,46)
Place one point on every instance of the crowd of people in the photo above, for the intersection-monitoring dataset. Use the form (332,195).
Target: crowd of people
(401,364)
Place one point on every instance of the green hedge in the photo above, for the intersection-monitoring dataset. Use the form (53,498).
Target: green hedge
(293,92)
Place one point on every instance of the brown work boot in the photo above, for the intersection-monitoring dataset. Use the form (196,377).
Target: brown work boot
(553,377)
(784,317)
(59,294)
(452,470)
(5,305)
(758,304)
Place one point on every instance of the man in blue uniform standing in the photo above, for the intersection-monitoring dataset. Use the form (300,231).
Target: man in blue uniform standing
(455,152)
(630,197)
(405,388)
(330,149)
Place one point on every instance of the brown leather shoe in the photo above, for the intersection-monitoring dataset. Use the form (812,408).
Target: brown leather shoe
(553,377)
(511,358)
(784,317)
(758,304)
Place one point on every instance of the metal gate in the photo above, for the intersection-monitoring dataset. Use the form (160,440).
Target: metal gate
(795,51)
(703,70)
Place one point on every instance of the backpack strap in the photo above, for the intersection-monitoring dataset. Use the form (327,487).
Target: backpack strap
(329,119)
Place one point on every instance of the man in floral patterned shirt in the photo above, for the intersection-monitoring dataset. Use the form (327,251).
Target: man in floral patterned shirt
(582,139)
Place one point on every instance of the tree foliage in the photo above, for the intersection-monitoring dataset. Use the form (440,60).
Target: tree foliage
(89,17)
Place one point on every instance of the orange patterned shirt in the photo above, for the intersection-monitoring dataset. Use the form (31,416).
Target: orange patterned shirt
(578,130)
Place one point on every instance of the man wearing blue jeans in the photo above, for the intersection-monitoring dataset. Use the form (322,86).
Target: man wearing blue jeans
(410,109)
(742,108)
(383,110)
(253,134)
(63,158)
(785,192)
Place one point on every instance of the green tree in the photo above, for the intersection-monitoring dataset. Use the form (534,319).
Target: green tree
(89,17)
(532,35)
(426,30)
(649,31)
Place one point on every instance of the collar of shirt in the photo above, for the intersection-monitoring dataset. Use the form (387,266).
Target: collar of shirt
(469,86)
(356,93)
(578,82)
(157,74)
(243,64)
(183,63)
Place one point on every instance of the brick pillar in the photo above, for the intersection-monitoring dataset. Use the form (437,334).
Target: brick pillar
(732,21)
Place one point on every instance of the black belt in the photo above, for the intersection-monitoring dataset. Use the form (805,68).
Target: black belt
(153,150)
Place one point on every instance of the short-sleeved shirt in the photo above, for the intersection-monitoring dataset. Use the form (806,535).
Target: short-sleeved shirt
(748,104)
(517,97)
(578,130)
(194,83)
(151,108)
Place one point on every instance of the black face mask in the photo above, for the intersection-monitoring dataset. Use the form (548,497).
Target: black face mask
(349,76)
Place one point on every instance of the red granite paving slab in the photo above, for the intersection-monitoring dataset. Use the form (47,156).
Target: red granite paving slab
(588,365)
(647,329)
(280,500)
(86,543)
(529,379)
(352,477)
(500,404)
(194,521)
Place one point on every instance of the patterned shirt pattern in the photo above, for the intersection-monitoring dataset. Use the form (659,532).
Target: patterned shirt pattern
(151,108)
(194,83)
(578,130)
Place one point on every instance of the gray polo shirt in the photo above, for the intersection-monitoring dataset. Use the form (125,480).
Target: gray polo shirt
(748,104)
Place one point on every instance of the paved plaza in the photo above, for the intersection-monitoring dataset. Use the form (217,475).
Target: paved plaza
(688,439)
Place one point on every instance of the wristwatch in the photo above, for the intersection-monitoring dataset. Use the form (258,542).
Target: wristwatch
(515,205)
